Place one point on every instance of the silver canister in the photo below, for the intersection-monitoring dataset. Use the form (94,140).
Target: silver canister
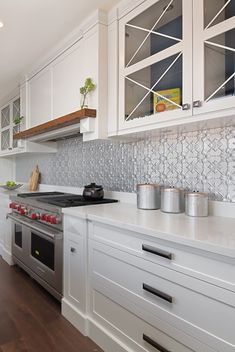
(148,196)
(172,200)
(196,204)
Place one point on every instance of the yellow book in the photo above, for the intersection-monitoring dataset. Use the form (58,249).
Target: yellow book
(160,104)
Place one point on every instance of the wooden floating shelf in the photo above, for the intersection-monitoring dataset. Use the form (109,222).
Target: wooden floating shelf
(55,124)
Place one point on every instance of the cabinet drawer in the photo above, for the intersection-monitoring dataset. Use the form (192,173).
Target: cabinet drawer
(216,269)
(166,293)
(138,334)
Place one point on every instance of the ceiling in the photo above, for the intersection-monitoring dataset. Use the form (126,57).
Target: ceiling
(32,28)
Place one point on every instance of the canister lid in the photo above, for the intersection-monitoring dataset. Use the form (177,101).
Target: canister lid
(197,194)
(150,185)
(172,189)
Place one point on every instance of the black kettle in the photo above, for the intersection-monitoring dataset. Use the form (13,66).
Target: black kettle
(93,191)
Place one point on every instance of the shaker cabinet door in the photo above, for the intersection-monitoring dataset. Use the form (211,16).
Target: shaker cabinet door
(40,98)
(72,280)
(67,79)
(75,262)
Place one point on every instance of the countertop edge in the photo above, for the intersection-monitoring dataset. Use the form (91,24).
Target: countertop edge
(154,233)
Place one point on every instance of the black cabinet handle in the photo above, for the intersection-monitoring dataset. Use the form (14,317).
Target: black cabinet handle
(157,251)
(157,293)
(154,344)
(73,250)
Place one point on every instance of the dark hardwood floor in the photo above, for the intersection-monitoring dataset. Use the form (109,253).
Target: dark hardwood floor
(30,319)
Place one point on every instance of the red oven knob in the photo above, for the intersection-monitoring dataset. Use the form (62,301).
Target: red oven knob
(43,217)
(18,207)
(12,205)
(34,216)
(22,211)
(54,220)
(48,218)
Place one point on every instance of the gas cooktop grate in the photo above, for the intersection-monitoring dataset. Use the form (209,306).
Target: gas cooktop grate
(73,201)
(39,194)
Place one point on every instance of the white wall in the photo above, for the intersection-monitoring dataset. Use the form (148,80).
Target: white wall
(7,169)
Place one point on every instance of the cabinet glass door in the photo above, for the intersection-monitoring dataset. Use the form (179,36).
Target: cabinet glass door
(5,127)
(16,128)
(155,51)
(214,70)
(8,127)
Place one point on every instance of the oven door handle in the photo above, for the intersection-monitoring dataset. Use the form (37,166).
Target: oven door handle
(33,227)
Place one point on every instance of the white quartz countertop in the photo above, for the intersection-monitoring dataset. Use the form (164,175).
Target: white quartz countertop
(213,234)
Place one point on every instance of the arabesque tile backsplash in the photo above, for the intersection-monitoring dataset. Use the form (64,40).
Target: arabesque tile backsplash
(203,161)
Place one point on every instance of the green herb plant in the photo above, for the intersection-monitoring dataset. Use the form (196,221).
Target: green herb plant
(17,121)
(88,87)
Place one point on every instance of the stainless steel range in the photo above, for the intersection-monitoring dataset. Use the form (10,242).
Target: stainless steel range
(37,234)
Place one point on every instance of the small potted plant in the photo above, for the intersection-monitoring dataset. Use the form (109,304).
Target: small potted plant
(17,121)
(88,87)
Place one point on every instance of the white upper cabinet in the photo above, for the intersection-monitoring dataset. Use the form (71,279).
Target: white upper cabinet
(67,78)
(155,55)
(214,52)
(95,66)
(40,100)
(54,86)
(8,114)
(9,146)
(175,62)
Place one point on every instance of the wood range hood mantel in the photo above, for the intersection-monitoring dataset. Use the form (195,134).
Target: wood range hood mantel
(56,124)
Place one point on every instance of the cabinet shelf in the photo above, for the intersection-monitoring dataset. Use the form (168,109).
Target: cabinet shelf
(63,121)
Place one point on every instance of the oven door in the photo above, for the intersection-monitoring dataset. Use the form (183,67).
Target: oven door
(19,242)
(46,256)
(40,248)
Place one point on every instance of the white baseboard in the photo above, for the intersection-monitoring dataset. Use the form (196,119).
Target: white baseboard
(6,255)
(75,317)
(89,327)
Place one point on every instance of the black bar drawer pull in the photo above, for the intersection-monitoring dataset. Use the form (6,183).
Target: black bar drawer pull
(157,251)
(157,293)
(154,344)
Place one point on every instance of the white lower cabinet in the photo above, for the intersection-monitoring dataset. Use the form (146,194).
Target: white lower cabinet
(75,272)
(138,295)
(5,229)
(135,333)
(135,301)
(171,296)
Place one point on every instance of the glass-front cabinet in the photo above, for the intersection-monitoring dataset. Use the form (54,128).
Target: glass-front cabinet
(214,52)
(176,61)
(6,128)
(155,66)
(8,114)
